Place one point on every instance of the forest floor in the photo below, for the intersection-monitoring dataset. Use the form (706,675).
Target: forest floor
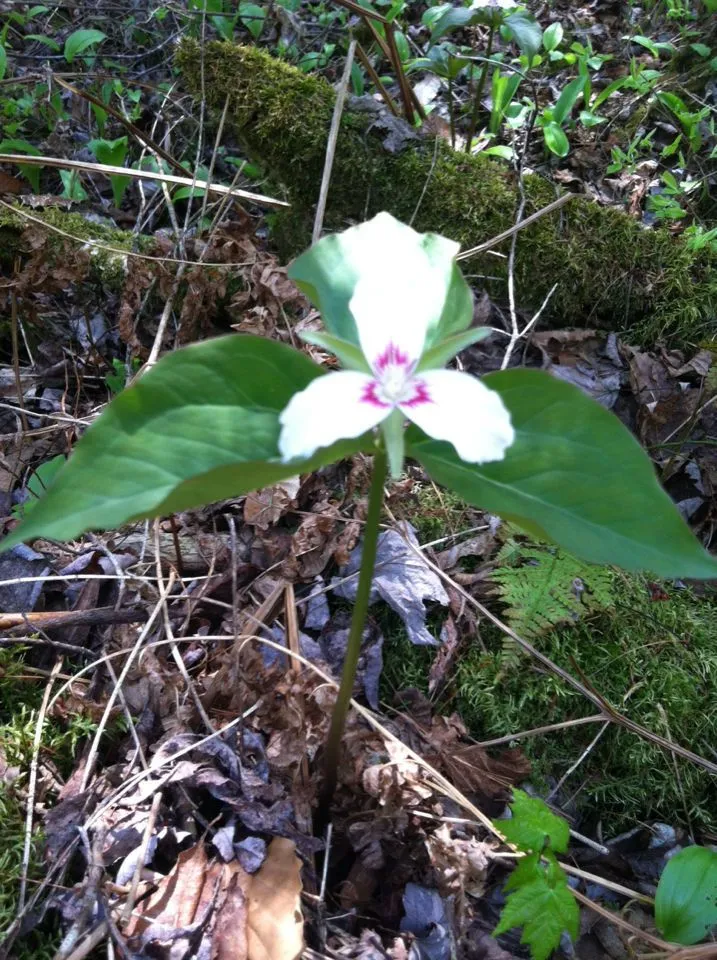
(158,750)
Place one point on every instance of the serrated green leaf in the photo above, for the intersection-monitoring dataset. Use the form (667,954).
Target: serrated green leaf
(201,426)
(574,475)
(533,825)
(686,900)
(80,41)
(542,904)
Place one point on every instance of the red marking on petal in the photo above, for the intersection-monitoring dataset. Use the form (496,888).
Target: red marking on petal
(392,356)
(420,395)
(370,395)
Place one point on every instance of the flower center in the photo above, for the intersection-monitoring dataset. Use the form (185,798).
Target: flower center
(395,384)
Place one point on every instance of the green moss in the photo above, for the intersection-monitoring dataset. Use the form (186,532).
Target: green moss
(20,698)
(105,265)
(609,270)
(645,658)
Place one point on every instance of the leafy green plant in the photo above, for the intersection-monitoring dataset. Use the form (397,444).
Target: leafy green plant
(543,586)
(539,897)
(80,42)
(514,23)
(113,153)
(117,380)
(552,119)
(3,61)
(72,188)
(686,899)
(223,417)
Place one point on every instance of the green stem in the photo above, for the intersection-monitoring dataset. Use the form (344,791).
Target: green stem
(358,622)
(479,90)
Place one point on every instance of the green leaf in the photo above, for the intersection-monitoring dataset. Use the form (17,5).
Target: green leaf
(453,19)
(446,350)
(201,426)
(542,904)
(3,61)
(553,36)
(567,100)
(686,900)
(701,49)
(81,40)
(328,273)
(72,187)
(253,17)
(45,41)
(555,139)
(350,356)
(113,153)
(31,173)
(526,32)
(533,825)
(574,475)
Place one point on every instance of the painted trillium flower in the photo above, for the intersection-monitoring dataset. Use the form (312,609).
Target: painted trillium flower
(397,306)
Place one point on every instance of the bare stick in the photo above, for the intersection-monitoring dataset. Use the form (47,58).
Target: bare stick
(331,145)
(32,786)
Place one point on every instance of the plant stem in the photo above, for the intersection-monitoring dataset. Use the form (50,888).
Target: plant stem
(479,90)
(358,622)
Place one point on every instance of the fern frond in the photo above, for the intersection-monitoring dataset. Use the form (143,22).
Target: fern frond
(544,587)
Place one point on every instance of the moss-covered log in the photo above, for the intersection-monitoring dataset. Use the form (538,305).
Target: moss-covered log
(609,269)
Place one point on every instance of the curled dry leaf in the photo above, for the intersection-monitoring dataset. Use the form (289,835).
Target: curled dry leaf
(265,507)
(461,865)
(217,910)
(275,922)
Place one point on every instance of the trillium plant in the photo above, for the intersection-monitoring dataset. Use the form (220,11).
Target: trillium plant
(225,417)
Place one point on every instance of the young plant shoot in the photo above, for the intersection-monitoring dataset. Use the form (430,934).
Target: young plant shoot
(225,417)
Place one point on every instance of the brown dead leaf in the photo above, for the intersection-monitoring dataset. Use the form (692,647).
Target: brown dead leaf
(264,508)
(198,909)
(275,922)
(9,184)
(461,865)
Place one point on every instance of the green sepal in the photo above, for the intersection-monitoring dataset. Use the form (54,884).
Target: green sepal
(446,350)
(350,356)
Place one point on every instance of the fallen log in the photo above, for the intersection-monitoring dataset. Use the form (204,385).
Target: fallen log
(610,270)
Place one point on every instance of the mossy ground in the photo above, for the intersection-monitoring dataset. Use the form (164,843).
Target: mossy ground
(609,270)
(21,693)
(656,660)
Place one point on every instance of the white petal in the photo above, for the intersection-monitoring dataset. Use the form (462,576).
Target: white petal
(331,408)
(463,411)
(401,290)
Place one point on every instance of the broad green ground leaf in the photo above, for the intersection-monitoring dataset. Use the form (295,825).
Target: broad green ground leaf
(533,825)
(575,476)
(80,41)
(542,904)
(3,61)
(201,426)
(329,271)
(526,31)
(555,139)
(686,900)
